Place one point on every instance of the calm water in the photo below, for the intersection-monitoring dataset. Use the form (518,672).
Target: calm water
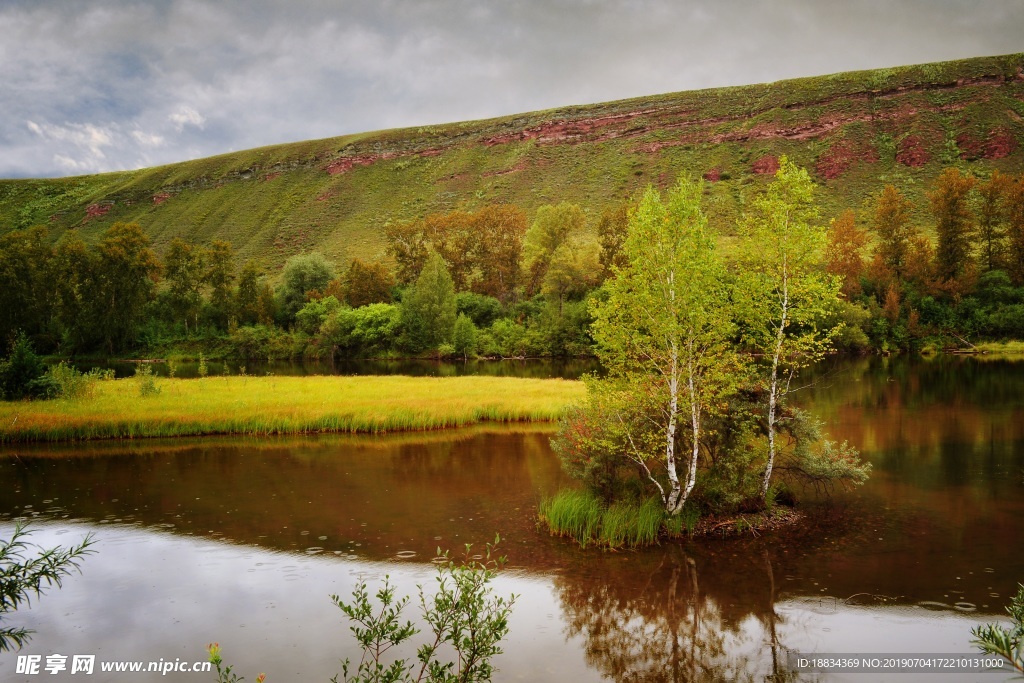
(242,542)
(543,368)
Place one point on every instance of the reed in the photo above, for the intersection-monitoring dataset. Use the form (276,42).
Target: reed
(573,513)
(581,516)
(286,405)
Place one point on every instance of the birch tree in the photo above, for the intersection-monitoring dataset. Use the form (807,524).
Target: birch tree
(663,334)
(784,291)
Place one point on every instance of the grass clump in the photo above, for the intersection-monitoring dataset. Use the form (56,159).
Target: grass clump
(573,513)
(581,516)
(145,381)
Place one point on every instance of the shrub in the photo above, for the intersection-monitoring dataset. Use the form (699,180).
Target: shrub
(464,618)
(69,383)
(22,372)
(145,380)
(994,639)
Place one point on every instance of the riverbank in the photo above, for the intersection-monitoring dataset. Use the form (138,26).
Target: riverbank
(285,405)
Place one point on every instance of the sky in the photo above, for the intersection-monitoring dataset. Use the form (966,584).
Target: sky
(89,86)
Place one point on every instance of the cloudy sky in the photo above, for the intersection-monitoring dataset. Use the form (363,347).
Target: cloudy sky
(99,85)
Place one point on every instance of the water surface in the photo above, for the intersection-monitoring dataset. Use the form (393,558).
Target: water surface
(241,541)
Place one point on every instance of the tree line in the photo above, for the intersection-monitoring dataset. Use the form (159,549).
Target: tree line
(904,289)
(494,283)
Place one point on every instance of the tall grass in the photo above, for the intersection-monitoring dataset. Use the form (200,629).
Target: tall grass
(286,405)
(581,516)
(573,513)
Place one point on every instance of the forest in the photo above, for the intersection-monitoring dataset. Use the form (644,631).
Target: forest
(498,283)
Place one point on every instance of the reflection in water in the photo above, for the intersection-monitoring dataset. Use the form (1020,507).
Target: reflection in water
(927,548)
(676,619)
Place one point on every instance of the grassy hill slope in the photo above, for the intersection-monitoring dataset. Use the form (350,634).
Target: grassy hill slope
(854,130)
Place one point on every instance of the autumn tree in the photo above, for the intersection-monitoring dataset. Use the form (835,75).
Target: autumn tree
(501,228)
(663,334)
(454,237)
(992,217)
(844,252)
(551,228)
(1015,229)
(783,291)
(408,246)
(366,283)
(183,272)
(893,230)
(612,228)
(951,207)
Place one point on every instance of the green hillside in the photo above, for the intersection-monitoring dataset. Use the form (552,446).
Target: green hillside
(853,130)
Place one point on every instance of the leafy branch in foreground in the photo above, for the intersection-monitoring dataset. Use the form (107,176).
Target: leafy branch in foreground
(462,614)
(21,576)
(994,639)
(224,673)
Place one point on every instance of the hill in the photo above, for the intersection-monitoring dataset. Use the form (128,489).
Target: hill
(854,131)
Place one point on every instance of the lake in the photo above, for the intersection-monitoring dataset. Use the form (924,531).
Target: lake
(241,541)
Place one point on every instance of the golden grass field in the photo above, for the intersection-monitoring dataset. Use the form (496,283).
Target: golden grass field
(286,405)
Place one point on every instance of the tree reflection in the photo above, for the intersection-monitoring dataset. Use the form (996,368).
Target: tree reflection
(678,618)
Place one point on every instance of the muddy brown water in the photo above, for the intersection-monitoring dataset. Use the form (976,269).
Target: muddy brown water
(241,541)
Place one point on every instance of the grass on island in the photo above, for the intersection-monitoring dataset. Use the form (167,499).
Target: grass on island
(1009,347)
(580,515)
(285,405)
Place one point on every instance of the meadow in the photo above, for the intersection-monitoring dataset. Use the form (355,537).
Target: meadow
(248,405)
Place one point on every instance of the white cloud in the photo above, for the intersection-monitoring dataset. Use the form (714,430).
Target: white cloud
(83,135)
(186,116)
(147,139)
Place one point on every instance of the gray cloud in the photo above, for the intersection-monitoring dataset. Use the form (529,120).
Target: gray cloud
(98,85)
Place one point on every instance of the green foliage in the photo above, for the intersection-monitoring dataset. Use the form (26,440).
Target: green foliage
(818,462)
(428,310)
(125,268)
(580,515)
(784,295)
(203,369)
(69,383)
(552,229)
(994,639)
(462,615)
(183,272)
(302,274)
(22,373)
(219,276)
(360,332)
(464,337)
(26,281)
(483,310)
(145,380)
(22,576)
(310,317)
(665,331)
